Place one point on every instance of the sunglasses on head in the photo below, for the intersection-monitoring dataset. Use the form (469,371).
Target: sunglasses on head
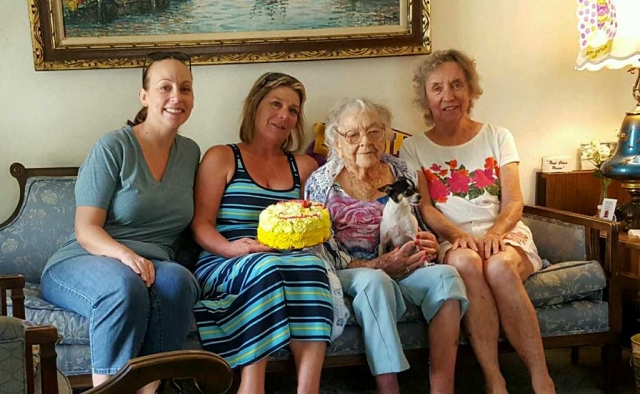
(272,77)
(156,56)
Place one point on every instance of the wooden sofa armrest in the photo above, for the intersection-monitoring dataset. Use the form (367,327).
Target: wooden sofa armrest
(15,283)
(599,233)
(571,217)
(45,337)
(597,229)
(211,372)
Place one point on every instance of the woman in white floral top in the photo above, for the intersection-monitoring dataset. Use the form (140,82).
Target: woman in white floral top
(469,171)
(348,184)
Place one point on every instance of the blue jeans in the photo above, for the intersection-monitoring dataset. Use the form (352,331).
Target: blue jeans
(126,319)
(379,301)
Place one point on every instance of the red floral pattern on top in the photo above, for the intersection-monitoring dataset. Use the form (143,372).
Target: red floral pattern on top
(459,181)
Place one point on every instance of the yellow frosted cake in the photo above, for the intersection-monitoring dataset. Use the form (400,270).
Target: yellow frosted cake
(294,224)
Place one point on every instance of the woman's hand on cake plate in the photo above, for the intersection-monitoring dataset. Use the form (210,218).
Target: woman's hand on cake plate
(245,246)
(402,261)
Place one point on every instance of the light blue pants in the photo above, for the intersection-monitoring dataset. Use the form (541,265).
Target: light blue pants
(379,301)
(126,318)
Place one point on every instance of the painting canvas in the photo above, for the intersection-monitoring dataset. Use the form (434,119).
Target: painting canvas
(116,33)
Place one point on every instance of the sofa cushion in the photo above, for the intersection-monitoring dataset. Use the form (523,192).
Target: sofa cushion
(74,359)
(573,318)
(566,282)
(558,284)
(72,327)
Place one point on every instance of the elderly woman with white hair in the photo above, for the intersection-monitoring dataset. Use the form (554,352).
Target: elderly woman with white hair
(348,184)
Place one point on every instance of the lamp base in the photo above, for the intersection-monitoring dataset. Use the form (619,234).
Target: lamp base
(629,212)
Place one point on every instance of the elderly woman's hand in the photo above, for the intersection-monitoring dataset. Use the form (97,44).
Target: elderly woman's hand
(402,261)
(427,241)
(245,246)
(490,244)
(464,241)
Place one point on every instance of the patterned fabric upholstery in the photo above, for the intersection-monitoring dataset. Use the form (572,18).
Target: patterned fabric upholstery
(567,295)
(557,241)
(73,329)
(566,282)
(13,379)
(43,225)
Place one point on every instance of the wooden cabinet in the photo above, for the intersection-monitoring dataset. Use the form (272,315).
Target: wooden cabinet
(629,282)
(576,191)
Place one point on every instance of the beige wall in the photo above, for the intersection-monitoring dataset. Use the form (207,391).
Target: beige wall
(525,53)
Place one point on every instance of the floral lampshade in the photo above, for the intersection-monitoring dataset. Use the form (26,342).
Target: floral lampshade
(609,34)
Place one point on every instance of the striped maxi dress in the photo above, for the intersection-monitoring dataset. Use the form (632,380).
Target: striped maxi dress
(254,305)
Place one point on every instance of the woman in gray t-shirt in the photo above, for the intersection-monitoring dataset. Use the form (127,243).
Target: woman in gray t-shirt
(134,195)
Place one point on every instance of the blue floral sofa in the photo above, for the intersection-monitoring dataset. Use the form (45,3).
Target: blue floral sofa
(577,298)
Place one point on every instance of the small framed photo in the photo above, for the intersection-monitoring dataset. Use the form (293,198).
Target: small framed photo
(607,208)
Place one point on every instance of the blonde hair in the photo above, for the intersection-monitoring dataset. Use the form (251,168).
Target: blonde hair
(266,83)
(430,64)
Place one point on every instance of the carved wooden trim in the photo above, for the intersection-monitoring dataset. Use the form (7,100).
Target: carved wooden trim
(22,174)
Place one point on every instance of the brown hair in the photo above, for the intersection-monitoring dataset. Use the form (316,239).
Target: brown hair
(149,60)
(430,64)
(266,83)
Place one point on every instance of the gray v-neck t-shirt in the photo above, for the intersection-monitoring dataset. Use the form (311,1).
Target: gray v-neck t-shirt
(143,214)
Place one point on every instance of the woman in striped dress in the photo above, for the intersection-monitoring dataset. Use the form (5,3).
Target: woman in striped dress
(255,300)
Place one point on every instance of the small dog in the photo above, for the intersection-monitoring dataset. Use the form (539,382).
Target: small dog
(398,225)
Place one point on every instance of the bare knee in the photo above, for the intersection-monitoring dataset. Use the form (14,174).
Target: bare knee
(467,262)
(501,270)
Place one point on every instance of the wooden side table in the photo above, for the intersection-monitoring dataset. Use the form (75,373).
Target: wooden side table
(575,191)
(630,255)
(629,281)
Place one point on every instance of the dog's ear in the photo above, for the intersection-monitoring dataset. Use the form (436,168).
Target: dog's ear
(386,188)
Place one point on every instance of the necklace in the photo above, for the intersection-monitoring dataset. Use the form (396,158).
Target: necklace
(364,189)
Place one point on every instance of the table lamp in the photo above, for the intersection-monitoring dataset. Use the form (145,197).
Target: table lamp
(610,37)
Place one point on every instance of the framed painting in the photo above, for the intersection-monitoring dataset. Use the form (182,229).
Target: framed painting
(82,34)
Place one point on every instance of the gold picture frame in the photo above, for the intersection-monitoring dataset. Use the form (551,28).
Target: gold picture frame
(52,50)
